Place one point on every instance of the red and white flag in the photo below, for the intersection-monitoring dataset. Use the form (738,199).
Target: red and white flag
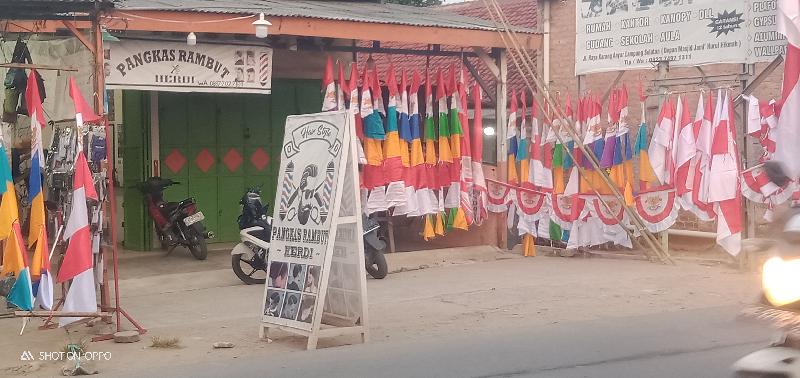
(660,150)
(77,264)
(787,134)
(328,87)
(83,112)
(685,150)
(698,170)
(724,186)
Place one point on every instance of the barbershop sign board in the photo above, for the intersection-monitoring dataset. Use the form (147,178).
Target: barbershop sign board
(614,35)
(178,67)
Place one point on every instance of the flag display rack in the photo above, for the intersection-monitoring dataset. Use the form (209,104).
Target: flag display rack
(106,309)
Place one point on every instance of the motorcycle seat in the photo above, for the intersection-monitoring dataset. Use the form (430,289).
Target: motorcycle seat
(256,235)
(169,207)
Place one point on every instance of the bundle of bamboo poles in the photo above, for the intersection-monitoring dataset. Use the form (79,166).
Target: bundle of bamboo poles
(525,64)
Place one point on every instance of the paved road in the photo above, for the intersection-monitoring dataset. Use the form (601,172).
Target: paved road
(696,343)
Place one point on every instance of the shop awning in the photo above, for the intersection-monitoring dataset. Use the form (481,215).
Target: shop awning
(327,19)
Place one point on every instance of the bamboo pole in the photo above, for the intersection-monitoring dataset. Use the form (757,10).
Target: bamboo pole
(498,17)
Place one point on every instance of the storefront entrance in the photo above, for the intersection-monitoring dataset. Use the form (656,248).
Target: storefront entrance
(215,145)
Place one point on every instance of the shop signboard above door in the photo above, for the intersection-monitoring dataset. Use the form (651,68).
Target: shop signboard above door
(614,35)
(178,67)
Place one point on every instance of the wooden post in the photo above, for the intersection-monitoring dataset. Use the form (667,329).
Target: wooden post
(500,133)
(750,208)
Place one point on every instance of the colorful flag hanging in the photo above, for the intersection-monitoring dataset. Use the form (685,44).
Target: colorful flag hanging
(393,163)
(15,256)
(511,136)
(523,146)
(37,231)
(429,203)
(328,87)
(354,109)
(373,175)
(479,187)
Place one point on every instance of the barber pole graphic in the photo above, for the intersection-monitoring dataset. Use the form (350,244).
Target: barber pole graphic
(265,72)
(327,188)
(287,189)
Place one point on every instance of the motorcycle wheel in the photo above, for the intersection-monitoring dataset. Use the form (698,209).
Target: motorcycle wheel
(198,246)
(236,264)
(376,263)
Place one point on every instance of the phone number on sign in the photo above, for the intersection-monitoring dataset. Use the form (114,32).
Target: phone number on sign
(230,84)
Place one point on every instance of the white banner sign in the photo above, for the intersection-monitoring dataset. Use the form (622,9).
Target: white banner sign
(303,229)
(178,67)
(629,34)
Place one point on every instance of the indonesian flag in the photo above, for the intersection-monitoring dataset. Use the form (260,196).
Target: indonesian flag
(83,112)
(660,151)
(685,150)
(787,134)
(328,87)
(37,231)
(761,120)
(704,131)
(15,256)
(724,178)
(352,87)
(480,196)
(341,89)
(511,135)
(393,164)
(77,264)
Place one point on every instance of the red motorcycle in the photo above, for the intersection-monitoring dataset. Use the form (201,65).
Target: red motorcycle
(177,223)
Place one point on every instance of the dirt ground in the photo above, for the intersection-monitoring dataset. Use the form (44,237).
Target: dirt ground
(430,293)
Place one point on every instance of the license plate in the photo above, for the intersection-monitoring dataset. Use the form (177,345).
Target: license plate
(194,218)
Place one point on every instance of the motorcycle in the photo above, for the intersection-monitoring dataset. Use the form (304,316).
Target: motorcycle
(177,223)
(780,300)
(255,227)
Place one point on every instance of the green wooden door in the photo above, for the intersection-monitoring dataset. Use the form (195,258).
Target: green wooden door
(135,146)
(216,146)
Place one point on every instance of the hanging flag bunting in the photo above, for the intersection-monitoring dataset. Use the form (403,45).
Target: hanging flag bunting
(646,175)
(37,230)
(328,87)
(757,187)
(657,209)
(374,134)
(428,201)
(543,179)
(498,196)
(393,163)
(479,182)
(15,256)
(523,146)
(77,264)
(465,214)
(352,86)
(761,124)
(409,130)
(341,89)
(511,136)
(566,209)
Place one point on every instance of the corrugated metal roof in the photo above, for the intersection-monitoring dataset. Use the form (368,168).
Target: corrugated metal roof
(326,10)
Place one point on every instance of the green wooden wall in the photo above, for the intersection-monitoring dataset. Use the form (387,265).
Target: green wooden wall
(216,145)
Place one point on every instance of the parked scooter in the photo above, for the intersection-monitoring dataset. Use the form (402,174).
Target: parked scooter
(177,223)
(249,257)
(780,300)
